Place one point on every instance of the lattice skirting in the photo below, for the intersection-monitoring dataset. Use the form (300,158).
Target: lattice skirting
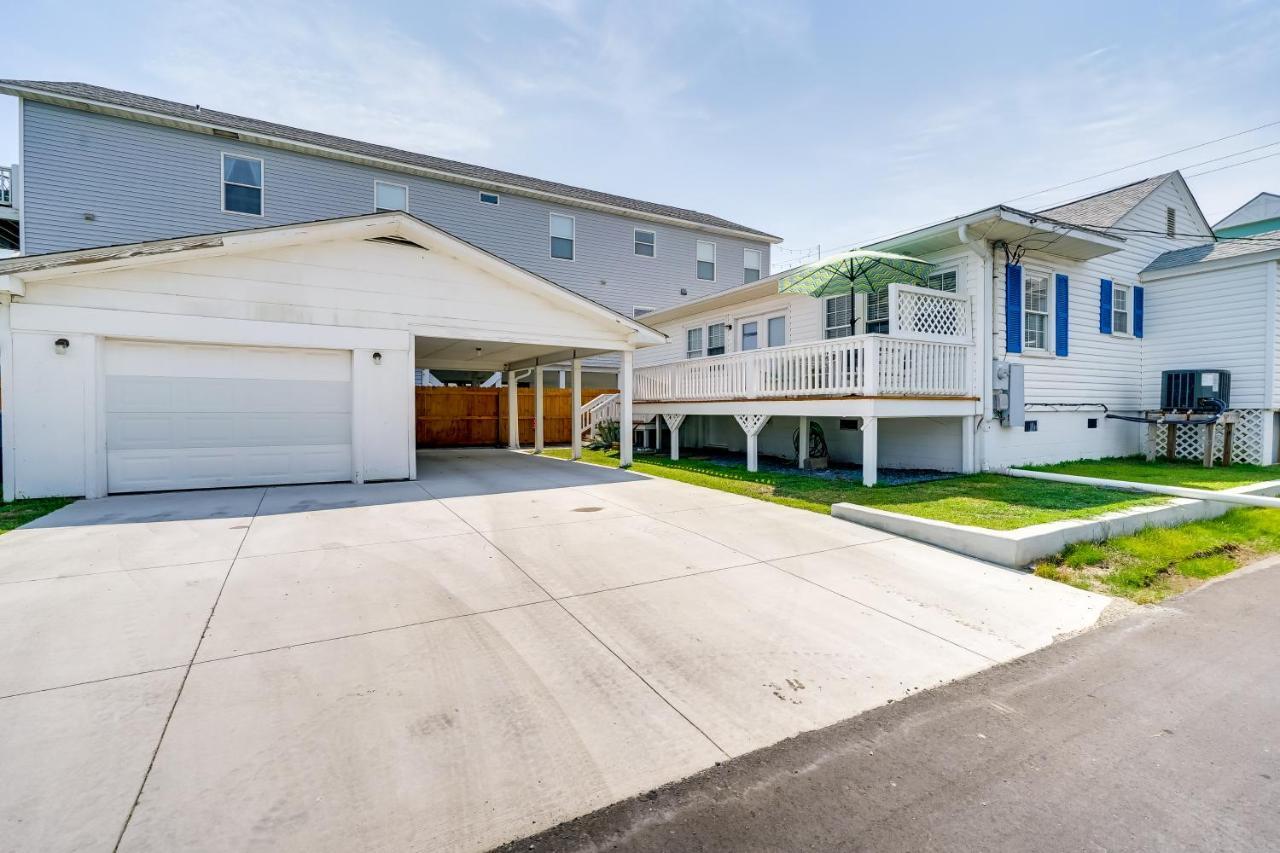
(1246,439)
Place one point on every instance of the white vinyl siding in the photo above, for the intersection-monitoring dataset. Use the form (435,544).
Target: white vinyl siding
(562,237)
(1035,311)
(750,265)
(706,265)
(389,196)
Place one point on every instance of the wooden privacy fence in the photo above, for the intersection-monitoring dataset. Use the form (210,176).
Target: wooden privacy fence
(458,417)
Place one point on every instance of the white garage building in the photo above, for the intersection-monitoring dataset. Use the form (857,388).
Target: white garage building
(269,356)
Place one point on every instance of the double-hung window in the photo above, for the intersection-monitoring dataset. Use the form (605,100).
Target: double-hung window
(839,317)
(751,263)
(241,185)
(388,196)
(1035,311)
(878,311)
(693,343)
(715,339)
(646,243)
(945,281)
(1120,309)
(562,240)
(706,260)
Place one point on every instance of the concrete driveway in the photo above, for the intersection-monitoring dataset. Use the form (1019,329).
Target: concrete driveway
(449,664)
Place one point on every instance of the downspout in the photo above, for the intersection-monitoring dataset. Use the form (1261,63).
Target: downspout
(986,342)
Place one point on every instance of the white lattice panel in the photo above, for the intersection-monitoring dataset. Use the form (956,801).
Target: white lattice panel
(1246,439)
(932,313)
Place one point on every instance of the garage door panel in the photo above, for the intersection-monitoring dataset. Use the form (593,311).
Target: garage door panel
(272,416)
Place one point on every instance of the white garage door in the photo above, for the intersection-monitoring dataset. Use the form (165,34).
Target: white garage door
(191,416)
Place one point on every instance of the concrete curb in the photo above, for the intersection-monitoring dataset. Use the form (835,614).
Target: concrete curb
(1025,545)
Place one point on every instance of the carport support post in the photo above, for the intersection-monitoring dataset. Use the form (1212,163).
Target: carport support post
(626,418)
(513,413)
(751,425)
(673,424)
(870,449)
(538,382)
(575,405)
(802,443)
(968,438)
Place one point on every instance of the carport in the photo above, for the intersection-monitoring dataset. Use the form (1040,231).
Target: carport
(264,356)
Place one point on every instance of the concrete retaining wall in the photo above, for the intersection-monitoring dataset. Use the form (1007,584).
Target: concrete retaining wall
(1025,545)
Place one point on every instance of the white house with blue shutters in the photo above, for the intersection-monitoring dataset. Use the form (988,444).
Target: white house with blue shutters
(914,377)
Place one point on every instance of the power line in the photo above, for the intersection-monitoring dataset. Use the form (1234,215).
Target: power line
(1233,165)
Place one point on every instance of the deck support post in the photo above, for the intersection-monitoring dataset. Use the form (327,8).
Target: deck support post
(575,405)
(513,413)
(802,443)
(870,450)
(968,438)
(626,417)
(539,434)
(751,425)
(673,424)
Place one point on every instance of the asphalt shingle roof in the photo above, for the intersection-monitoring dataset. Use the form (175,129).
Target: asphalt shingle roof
(173,109)
(1224,248)
(1105,209)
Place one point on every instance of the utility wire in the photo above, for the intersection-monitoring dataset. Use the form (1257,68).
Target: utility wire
(1233,165)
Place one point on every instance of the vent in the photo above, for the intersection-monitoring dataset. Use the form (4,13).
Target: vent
(1170,221)
(1195,390)
(225,134)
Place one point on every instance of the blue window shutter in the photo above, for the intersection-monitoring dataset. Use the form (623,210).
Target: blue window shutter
(1137,312)
(1013,308)
(1104,307)
(1060,319)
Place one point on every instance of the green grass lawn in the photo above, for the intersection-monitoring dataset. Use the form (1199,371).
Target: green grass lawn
(17,513)
(1161,561)
(984,500)
(1164,473)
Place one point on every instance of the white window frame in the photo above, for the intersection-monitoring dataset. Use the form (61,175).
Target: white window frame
(634,241)
(573,220)
(942,272)
(759,267)
(404,187)
(715,272)
(1049,280)
(1127,312)
(867,320)
(222,184)
(497,202)
(826,329)
(702,342)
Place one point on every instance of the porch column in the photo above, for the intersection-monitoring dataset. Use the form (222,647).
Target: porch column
(870,449)
(673,424)
(575,406)
(967,439)
(513,412)
(626,420)
(751,425)
(802,445)
(538,381)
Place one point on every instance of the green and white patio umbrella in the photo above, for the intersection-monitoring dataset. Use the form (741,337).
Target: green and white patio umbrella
(857,271)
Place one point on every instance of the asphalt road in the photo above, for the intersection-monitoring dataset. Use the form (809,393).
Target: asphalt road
(1158,732)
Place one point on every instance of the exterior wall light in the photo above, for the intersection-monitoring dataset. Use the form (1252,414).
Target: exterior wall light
(377,358)
(61,345)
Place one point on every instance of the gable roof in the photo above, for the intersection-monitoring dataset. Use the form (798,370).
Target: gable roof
(1105,209)
(146,108)
(396,226)
(1227,247)
(1265,198)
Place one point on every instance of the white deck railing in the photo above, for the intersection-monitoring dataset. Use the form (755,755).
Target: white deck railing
(866,365)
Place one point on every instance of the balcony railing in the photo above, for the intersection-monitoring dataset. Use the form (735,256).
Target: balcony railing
(927,353)
(6,186)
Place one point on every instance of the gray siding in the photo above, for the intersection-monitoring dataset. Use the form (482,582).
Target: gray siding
(144,182)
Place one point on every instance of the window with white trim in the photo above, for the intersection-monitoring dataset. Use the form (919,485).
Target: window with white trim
(646,243)
(1035,311)
(706,260)
(488,198)
(1120,309)
(693,343)
(715,339)
(878,311)
(562,239)
(777,331)
(839,317)
(752,259)
(944,280)
(388,196)
(242,185)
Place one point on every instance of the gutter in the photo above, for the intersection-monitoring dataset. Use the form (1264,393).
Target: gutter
(1128,486)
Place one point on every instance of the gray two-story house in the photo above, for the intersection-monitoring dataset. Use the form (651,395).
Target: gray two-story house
(102,167)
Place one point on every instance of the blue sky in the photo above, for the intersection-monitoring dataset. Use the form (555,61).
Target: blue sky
(826,123)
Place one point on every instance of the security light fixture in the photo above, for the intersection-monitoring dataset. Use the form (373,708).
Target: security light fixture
(377,358)
(61,345)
